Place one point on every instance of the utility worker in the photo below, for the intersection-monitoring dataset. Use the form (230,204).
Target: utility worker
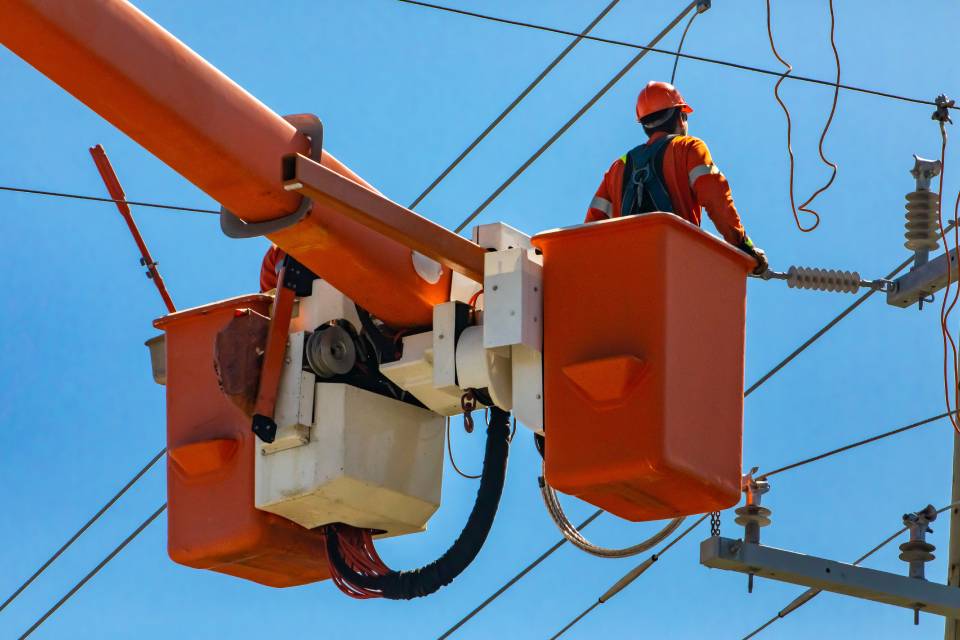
(671,172)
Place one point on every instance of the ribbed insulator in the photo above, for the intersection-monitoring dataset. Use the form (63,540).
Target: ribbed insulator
(823,279)
(921,225)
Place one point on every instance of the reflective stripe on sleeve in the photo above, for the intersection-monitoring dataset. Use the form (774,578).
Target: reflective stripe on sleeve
(702,170)
(602,204)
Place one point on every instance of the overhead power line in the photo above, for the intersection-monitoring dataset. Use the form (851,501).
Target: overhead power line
(77,196)
(854,445)
(683,38)
(629,577)
(688,56)
(523,94)
(569,123)
(830,325)
(110,556)
(811,593)
(81,530)
(512,581)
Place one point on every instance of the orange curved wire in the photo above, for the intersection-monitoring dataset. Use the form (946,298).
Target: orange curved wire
(805,206)
(826,127)
(949,344)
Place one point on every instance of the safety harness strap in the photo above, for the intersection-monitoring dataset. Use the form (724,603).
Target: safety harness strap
(643,176)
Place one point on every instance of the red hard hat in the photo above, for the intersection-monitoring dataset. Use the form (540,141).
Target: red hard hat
(657,96)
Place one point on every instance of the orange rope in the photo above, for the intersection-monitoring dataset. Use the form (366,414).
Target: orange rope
(949,344)
(805,207)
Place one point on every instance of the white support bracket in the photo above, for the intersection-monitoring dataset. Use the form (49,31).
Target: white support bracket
(829,575)
(922,281)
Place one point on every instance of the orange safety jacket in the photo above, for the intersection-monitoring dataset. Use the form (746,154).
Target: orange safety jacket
(693,182)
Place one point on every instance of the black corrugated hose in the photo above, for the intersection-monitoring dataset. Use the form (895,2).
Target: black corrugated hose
(406,585)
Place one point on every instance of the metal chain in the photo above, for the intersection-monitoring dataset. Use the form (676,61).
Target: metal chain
(715,524)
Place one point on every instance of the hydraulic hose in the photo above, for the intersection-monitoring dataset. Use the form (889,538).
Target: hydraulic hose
(405,585)
(574,537)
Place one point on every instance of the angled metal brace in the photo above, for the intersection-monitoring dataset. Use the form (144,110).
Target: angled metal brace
(829,575)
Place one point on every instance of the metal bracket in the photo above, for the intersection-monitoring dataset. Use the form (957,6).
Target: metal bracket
(233,227)
(920,282)
(829,575)
(944,104)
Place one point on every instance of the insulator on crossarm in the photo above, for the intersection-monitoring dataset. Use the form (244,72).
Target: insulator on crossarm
(823,279)
(921,225)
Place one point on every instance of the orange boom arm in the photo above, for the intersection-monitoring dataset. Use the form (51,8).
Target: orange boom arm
(139,77)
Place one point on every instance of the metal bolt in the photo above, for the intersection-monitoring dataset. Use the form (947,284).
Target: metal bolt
(495,287)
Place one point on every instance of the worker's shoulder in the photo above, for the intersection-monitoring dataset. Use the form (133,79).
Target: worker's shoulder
(690,142)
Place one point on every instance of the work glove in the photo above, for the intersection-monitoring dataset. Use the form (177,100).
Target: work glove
(762,264)
(757,254)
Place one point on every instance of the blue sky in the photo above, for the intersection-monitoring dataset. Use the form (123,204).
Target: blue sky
(401,90)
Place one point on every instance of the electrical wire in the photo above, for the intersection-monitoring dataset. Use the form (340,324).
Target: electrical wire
(574,537)
(676,59)
(830,325)
(629,577)
(811,593)
(786,112)
(756,385)
(686,56)
(110,556)
(81,530)
(453,463)
(516,578)
(788,467)
(854,445)
(949,344)
(592,101)
(77,196)
(503,114)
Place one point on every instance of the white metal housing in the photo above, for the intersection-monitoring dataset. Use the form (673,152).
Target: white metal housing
(371,462)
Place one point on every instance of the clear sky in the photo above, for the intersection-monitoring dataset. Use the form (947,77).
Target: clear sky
(401,91)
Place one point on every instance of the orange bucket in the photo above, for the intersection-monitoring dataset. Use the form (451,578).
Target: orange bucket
(212,523)
(643,365)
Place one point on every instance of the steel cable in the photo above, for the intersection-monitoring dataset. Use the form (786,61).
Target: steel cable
(854,445)
(569,123)
(80,531)
(830,325)
(629,577)
(686,56)
(77,196)
(79,585)
(676,59)
(503,114)
(453,463)
(574,537)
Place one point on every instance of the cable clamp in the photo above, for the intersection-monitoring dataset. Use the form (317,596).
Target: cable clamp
(233,227)
(944,104)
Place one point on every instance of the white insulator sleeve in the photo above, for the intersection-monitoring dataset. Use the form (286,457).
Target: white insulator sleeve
(823,279)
